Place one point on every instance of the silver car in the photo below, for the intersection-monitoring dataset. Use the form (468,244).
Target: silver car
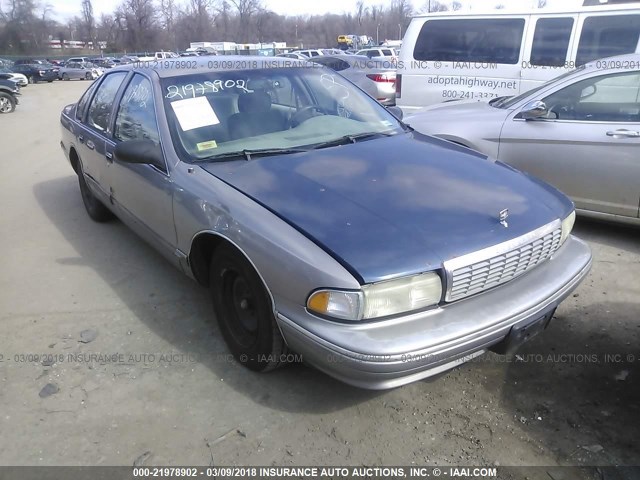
(79,71)
(376,77)
(580,132)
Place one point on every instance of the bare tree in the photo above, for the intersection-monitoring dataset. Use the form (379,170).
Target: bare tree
(245,9)
(434,6)
(361,11)
(455,6)
(88,22)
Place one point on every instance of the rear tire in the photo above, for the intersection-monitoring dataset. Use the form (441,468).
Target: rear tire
(32,79)
(7,103)
(95,208)
(65,76)
(244,312)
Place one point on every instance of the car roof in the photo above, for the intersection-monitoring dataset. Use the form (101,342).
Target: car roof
(228,63)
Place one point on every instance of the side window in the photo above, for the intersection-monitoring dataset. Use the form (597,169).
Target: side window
(607,36)
(551,41)
(607,98)
(82,103)
(136,119)
(491,40)
(387,53)
(102,102)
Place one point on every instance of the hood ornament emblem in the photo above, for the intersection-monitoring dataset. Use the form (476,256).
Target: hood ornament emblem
(503,215)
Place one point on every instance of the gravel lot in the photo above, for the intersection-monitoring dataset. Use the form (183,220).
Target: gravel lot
(169,395)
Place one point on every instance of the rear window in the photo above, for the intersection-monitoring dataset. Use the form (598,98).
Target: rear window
(551,41)
(608,36)
(492,40)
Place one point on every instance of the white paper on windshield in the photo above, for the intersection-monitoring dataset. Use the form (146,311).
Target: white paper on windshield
(194,113)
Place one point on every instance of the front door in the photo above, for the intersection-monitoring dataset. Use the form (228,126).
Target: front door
(142,193)
(588,145)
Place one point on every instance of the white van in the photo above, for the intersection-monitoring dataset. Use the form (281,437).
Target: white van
(452,56)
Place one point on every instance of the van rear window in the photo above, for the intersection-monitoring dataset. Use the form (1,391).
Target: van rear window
(491,40)
(607,36)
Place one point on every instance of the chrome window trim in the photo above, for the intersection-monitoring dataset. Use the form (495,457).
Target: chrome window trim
(452,265)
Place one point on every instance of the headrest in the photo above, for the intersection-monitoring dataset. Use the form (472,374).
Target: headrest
(255,102)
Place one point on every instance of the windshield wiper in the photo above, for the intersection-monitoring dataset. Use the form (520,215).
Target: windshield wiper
(347,139)
(249,154)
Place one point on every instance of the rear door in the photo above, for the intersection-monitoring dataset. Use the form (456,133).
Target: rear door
(589,146)
(96,129)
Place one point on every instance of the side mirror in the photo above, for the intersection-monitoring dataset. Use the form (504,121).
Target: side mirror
(140,151)
(533,110)
(396,112)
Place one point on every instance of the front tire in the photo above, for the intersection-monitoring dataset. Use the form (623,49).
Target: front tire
(32,79)
(95,208)
(243,310)
(88,76)
(7,103)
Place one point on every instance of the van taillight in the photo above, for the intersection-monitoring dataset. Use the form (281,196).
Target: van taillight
(398,85)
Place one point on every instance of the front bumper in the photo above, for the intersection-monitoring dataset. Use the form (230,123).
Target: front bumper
(390,353)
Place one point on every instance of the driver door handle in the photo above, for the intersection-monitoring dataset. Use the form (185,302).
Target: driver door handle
(90,145)
(623,133)
(109,156)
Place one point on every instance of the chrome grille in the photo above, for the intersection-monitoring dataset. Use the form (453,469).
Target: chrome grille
(483,270)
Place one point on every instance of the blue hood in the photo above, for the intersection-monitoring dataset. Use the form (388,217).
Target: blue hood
(398,205)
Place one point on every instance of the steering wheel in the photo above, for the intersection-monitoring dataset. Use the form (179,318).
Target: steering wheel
(305,113)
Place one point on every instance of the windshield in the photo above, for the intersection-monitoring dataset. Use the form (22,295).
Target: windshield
(215,114)
(508,102)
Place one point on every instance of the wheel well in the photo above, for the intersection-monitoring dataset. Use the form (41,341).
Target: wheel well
(200,255)
(74,159)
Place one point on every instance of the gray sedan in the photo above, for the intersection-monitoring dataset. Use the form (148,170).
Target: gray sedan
(376,77)
(79,71)
(579,132)
(321,223)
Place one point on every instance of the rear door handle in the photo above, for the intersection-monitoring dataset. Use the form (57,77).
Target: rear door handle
(109,156)
(623,133)
(80,138)
(90,145)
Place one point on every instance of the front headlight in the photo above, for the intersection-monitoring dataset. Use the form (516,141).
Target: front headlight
(381,299)
(567,226)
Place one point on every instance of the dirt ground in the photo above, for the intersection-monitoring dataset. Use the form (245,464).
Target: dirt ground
(161,389)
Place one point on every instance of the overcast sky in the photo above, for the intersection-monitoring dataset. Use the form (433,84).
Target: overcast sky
(68,8)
